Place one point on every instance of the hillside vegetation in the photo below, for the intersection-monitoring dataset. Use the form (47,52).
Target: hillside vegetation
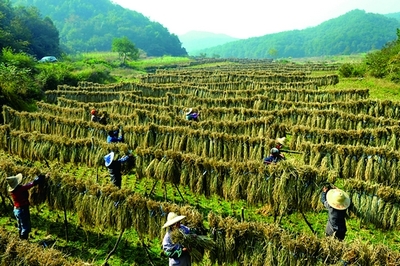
(351,33)
(23,29)
(91,25)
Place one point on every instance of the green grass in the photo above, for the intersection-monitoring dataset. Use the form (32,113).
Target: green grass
(378,88)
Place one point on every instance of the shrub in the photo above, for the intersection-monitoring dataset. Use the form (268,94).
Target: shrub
(17,87)
(20,60)
(348,70)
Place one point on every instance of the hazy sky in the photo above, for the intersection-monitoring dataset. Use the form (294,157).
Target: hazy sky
(250,18)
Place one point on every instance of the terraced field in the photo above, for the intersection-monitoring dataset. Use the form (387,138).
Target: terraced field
(211,171)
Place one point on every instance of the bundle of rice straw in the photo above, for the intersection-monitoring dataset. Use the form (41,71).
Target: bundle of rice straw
(196,244)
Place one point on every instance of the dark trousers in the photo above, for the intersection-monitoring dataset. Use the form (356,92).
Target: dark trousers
(116,180)
(339,234)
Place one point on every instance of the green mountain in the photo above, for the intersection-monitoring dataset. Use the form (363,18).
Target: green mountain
(198,40)
(91,25)
(25,30)
(393,15)
(353,32)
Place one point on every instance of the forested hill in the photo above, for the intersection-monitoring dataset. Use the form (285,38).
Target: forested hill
(91,25)
(353,32)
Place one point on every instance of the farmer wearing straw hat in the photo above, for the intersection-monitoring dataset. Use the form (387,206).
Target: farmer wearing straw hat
(114,167)
(336,201)
(178,255)
(20,196)
(192,115)
(280,142)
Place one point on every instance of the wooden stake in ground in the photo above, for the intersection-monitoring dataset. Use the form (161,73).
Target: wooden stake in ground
(114,248)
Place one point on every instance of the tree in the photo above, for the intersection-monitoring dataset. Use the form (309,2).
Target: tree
(125,48)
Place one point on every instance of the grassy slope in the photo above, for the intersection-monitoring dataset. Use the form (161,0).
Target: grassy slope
(93,245)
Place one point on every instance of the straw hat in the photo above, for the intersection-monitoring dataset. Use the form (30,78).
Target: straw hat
(14,181)
(173,218)
(281,141)
(109,158)
(338,199)
(189,111)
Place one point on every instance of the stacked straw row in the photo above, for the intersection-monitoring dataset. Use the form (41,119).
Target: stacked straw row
(286,186)
(73,128)
(230,77)
(375,203)
(376,164)
(35,146)
(324,119)
(89,96)
(377,137)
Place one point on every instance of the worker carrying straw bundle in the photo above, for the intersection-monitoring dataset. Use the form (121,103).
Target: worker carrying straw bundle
(177,253)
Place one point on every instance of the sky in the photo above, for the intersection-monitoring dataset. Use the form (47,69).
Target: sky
(250,18)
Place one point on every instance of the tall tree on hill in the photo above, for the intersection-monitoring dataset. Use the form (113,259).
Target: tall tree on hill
(125,48)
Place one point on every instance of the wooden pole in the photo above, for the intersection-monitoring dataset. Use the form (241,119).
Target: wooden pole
(179,192)
(114,248)
(65,223)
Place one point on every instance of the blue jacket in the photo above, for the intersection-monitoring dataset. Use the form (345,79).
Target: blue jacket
(273,159)
(111,139)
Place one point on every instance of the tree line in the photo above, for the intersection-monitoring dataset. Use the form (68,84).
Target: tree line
(352,33)
(91,25)
(24,30)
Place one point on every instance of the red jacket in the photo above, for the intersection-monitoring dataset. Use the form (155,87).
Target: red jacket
(20,195)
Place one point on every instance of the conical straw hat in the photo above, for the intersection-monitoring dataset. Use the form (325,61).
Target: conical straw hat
(281,140)
(189,111)
(14,181)
(338,199)
(173,218)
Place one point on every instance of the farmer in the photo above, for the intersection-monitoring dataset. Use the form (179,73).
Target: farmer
(20,196)
(336,201)
(94,116)
(191,115)
(177,254)
(98,119)
(280,143)
(113,136)
(274,157)
(103,118)
(114,167)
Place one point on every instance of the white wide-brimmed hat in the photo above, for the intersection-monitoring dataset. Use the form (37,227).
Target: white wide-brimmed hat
(172,219)
(109,158)
(14,181)
(338,199)
(281,141)
(189,111)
